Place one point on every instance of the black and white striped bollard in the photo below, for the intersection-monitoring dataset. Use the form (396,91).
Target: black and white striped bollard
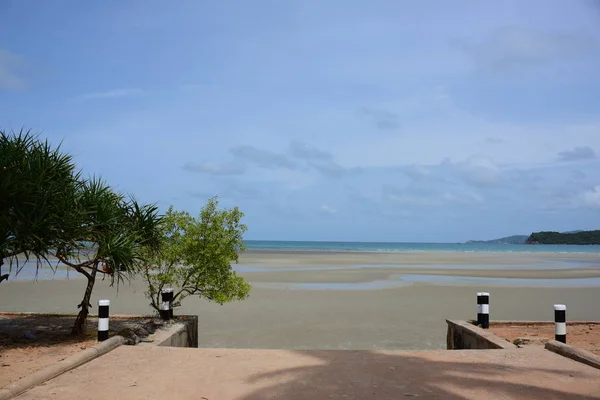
(560,323)
(166,311)
(103,319)
(170,303)
(483,309)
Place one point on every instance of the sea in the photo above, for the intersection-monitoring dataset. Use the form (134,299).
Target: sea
(281,245)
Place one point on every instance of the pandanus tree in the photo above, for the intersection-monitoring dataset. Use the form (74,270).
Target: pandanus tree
(46,209)
(38,184)
(108,234)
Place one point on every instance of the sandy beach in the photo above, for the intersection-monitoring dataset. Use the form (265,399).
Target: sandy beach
(329,258)
(322,300)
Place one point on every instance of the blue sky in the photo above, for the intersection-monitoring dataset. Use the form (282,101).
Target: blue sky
(323,120)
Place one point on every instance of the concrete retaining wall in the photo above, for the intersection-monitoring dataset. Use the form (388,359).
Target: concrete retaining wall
(539,323)
(574,353)
(464,335)
(183,332)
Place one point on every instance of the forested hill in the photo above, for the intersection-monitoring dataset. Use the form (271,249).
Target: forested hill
(581,237)
(515,239)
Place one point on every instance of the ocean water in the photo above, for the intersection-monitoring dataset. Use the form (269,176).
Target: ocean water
(281,245)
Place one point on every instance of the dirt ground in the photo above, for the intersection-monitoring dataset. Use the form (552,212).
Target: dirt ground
(29,343)
(585,336)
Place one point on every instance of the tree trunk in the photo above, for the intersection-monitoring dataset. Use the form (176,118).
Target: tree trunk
(5,276)
(85,305)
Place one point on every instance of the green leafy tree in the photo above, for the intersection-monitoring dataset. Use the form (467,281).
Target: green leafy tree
(106,234)
(195,256)
(577,238)
(37,187)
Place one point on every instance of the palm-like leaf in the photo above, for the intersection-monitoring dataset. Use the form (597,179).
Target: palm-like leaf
(37,186)
(46,207)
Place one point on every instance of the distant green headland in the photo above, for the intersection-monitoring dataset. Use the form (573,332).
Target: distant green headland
(546,237)
(581,237)
(515,239)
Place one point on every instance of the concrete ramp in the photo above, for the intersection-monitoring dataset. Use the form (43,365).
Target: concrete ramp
(221,374)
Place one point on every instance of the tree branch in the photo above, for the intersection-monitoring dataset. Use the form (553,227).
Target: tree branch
(92,267)
(185,282)
(77,267)
(154,292)
(192,291)
(63,260)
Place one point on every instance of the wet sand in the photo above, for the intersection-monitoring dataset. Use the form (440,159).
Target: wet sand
(407,316)
(286,258)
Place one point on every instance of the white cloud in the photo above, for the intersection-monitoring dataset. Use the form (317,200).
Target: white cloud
(494,140)
(282,210)
(334,170)
(123,92)
(478,170)
(419,172)
(578,153)
(408,199)
(458,132)
(511,47)
(237,190)
(577,174)
(262,158)
(215,169)
(301,157)
(320,160)
(463,198)
(201,194)
(591,198)
(9,63)
(306,152)
(327,209)
(383,119)
(419,197)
